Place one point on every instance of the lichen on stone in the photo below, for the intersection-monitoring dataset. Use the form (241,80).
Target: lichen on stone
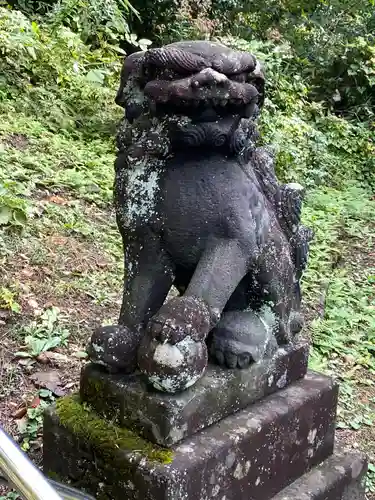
(105,436)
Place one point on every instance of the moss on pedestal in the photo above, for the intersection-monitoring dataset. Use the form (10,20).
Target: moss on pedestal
(104,435)
(92,391)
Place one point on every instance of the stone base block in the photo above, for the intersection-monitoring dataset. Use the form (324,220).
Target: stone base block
(341,477)
(166,419)
(251,455)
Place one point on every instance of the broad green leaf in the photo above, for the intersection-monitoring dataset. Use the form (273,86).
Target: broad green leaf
(95,76)
(5,215)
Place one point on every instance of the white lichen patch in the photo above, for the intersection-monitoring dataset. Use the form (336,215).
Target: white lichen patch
(311,436)
(143,184)
(215,490)
(97,348)
(230,459)
(174,384)
(241,471)
(282,380)
(168,355)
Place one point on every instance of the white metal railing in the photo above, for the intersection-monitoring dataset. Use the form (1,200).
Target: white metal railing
(17,469)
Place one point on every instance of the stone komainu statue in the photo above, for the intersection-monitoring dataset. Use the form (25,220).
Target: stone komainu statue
(199,207)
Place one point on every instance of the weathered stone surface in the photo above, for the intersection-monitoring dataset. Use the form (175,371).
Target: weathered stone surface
(340,477)
(199,207)
(167,419)
(251,455)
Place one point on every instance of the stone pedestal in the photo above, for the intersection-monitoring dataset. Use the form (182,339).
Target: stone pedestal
(263,433)
(166,419)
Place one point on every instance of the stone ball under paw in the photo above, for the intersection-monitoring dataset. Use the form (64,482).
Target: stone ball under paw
(172,368)
(114,347)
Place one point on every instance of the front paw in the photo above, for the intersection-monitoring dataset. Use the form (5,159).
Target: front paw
(179,318)
(114,347)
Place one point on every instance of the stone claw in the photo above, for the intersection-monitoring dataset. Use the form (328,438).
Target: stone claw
(179,318)
(240,339)
(114,347)
(230,359)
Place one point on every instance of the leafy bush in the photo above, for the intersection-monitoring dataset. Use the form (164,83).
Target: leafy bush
(13,208)
(170,20)
(40,64)
(312,145)
(332,45)
(44,334)
(96,21)
(30,6)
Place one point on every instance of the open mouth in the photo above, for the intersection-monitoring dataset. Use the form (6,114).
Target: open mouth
(207,89)
(202,80)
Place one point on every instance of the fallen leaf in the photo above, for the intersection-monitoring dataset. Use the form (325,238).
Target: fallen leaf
(102,263)
(19,413)
(33,303)
(21,424)
(43,358)
(24,287)
(27,362)
(69,385)
(35,402)
(56,357)
(58,200)
(27,272)
(80,355)
(59,240)
(48,380)
(4,314)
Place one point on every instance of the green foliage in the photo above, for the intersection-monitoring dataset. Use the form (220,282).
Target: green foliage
(40,64)
(8,300)
(44,334)
(170,20)
(14,210)
(59,70)
(96,21)
(30,6)
(371,478)
(344,323)
(56,161)
(10,496)
(106,437)
(31,427)
(351,414)
(313,146)
(332,45)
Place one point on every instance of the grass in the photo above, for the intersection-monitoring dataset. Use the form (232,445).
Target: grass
(340,305)
(61,264)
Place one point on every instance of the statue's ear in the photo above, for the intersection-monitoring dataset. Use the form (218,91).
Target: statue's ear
(132,67)
(257,79)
